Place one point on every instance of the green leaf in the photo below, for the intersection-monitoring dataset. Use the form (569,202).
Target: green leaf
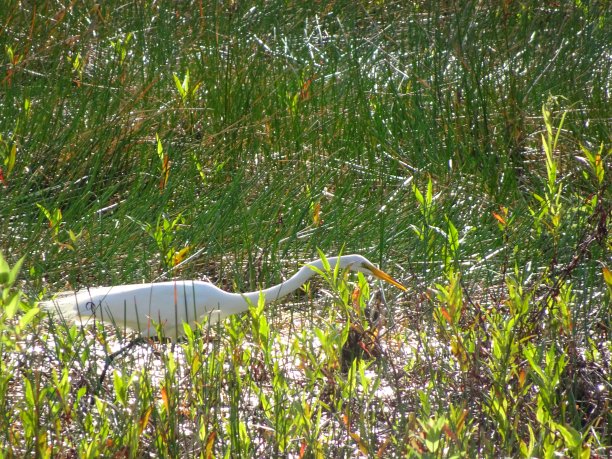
(10,160)
(120,389)
(14,272)
(179,86)
(188,332)
(28,317)
(429,196)
(45,212)
(160,148)
(530,353)
(326,267)
(29,393)
(453,236)
(571,436)
(607,275)
(323,338)
(11,304)
(418,194)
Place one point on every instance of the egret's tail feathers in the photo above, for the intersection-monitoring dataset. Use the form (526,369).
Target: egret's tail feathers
(63,306)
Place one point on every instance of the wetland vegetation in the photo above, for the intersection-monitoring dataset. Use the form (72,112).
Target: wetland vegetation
(464,147)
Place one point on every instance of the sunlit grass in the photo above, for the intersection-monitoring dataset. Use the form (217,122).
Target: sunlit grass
(465,149)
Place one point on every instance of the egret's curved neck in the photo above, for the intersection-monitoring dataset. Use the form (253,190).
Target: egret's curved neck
(293,283)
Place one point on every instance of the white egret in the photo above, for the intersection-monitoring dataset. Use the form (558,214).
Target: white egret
(174,302)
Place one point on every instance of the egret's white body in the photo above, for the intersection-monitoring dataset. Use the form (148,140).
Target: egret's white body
(172,303)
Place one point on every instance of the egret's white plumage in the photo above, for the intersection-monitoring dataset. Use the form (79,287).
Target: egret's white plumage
(174,302)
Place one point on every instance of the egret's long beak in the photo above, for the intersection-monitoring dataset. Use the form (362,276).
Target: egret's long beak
(384,276)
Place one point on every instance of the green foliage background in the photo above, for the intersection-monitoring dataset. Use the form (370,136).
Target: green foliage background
(145,140)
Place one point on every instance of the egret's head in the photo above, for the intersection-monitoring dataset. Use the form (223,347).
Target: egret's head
(362,264)
(369,268)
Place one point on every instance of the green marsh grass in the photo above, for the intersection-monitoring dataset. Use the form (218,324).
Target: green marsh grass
(463,147)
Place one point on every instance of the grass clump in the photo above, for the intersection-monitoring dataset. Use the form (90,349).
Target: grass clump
(464,148)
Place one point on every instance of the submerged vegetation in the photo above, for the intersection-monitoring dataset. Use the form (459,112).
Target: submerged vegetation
(463,146)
